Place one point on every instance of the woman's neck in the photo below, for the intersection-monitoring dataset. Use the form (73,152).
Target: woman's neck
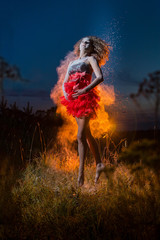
(83,54)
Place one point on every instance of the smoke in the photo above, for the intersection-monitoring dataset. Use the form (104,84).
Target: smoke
(99,126)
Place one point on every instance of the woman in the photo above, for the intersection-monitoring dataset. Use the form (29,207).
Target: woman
(81,96)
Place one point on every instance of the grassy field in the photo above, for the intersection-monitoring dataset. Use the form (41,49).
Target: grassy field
(45,203)
(38,183)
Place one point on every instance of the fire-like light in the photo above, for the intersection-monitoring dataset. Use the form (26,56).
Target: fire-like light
(99,126)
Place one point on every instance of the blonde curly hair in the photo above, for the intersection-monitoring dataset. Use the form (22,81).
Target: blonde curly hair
(101,49)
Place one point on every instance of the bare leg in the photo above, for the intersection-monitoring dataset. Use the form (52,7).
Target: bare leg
(93,146)
(82,146)
(100,167)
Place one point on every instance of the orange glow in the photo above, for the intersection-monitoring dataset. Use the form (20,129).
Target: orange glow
(99,126)
(66,134)
(66,161)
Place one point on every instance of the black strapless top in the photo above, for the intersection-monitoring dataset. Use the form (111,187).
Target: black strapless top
(80,67)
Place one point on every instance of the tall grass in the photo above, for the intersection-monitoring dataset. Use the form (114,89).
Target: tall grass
(45,203)
(39,194)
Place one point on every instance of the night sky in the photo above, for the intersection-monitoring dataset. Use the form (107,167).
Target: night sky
(37,35)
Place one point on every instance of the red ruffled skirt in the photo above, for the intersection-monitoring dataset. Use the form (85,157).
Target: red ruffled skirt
(85,104)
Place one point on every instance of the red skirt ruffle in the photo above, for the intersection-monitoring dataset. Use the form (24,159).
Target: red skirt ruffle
(86,104)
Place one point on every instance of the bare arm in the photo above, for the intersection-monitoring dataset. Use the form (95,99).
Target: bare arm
(99,78)
(65,80)
(98,72)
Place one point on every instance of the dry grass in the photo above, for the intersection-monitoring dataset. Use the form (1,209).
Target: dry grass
(45,203)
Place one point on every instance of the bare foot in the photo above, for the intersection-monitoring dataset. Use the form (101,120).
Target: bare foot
(99,169)
(80,180)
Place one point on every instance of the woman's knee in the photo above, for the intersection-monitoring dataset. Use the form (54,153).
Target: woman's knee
(83,125)
(81,136)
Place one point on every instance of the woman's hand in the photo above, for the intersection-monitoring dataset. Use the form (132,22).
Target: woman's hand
(78,92)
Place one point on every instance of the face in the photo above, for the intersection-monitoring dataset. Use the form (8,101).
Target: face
(86,45)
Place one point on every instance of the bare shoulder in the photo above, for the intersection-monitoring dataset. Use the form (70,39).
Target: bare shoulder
(93,62)
(95,66)
(92,59)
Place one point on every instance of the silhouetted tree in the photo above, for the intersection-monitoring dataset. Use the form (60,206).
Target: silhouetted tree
(3,104)
(28,109)
(9,71)
(14,107)
(150,88)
